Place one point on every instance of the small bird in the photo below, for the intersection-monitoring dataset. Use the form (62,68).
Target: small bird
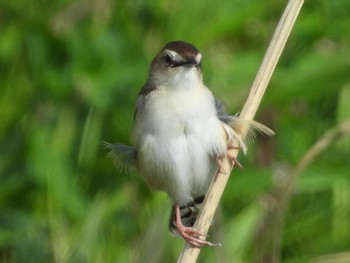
(180,135)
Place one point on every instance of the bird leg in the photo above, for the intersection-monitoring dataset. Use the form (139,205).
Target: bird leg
(190,234)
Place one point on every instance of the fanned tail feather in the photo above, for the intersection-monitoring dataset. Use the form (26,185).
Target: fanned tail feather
(124,156)
(232,134)
(234,127)
(252,127)
(239,125)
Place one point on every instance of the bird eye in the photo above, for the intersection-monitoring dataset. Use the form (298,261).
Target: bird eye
(168,60)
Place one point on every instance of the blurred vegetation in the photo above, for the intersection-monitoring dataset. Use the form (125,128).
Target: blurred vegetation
(70,72)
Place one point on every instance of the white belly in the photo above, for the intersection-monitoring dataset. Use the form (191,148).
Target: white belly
(178,138)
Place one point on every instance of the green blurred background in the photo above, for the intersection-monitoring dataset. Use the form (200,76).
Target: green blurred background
(70,74)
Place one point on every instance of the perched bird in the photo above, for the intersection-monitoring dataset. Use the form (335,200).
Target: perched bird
(180,135)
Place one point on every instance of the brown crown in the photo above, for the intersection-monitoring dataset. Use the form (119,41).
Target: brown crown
(182,48)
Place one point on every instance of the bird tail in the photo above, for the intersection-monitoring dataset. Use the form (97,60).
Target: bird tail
(234,126)
(124,156)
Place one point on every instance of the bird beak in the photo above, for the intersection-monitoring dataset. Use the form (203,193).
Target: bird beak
(190,61)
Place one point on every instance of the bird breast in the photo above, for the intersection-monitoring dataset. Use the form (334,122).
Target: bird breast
(178,138)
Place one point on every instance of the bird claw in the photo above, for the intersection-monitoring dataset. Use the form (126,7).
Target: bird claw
(233,158)
(190,234)
(230,157)
(231,147)
(221,166)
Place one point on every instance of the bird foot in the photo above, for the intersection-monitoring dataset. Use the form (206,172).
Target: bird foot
(231,157)
(190,234)
(221,166)
(231,147)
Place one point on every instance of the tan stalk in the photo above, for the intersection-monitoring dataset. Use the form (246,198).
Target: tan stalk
(216,189)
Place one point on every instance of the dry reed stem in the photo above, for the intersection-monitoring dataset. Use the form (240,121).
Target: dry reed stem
(190,254)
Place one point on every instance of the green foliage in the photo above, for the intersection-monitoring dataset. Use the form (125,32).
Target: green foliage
(70,72)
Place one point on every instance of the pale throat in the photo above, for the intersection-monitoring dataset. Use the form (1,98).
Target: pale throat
(187,78)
